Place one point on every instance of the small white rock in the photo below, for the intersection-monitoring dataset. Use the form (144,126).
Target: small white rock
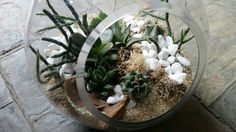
(114,99)
(169,41)
(184,61)
(152,46)
(164,63)
(152,53)
(118,90)
(163,54)
(176,68)
(171,59)
(141,24)
(132,23)
(138,35)
(55,52)
(151,63)
(173,49)
(145,54)
(136,30)
(168,70)
(178,78)
(128,18)
(68,68)
(131,104)
(50,60)
(161,41)
(46,52)
(147,20)
(53,47)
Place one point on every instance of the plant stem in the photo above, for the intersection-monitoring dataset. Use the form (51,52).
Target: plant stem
(75,14)
(55,21)
(38,67)
(40,56)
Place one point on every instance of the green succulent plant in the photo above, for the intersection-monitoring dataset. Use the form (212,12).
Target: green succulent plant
(135,84)
(100,80)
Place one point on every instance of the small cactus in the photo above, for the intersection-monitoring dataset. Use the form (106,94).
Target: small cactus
(135,84)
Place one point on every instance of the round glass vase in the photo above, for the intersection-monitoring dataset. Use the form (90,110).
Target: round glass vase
(51,20)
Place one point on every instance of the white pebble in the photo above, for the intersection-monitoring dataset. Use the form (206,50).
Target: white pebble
(168,70)
(169,41)
(68,68)
(178,78)
(176,68)
(147,20)
(152,46)
(46,52)
(131,104)
(138,35)
(163,54)
(53,47)
(161,41)
(128,18)
(50,60)
(132,24)
(184,61)
(141,24)
(55,52)
(151,63)
(164,63)
(173,49)
(118,90)
(152,53)
(171,59)
(114,99)
(136,30)
(145,54)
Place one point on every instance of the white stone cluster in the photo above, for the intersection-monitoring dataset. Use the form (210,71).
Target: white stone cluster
(119,96)
(137,26)
(167,58)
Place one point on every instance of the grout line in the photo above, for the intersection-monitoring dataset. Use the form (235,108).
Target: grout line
(6,105)
(10,52)
(16,98)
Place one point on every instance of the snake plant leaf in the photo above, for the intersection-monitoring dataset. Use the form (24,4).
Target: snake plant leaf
(76,40)
(95,21)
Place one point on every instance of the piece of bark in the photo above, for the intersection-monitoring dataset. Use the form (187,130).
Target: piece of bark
(116,111)
(72,92)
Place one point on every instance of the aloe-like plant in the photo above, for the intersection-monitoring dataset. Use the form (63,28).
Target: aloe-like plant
(100,80)
(135,84)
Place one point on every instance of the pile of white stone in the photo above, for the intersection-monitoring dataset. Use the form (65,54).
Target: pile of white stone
(67,69)
(167,58)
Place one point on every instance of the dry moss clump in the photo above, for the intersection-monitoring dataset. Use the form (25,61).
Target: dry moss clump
(130,60)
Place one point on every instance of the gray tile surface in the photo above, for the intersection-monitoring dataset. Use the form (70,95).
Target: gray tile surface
(225,106)
(12,120)
(221,67)
(12,22)
(5,97)
(36,106)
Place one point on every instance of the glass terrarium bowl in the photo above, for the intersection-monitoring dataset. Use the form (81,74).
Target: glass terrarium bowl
(117,65)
